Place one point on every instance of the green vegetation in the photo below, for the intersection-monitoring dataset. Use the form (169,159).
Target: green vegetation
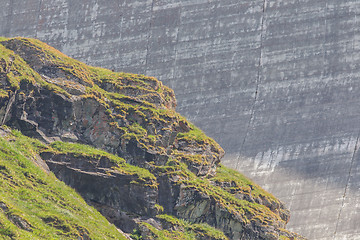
(180,229)
(4,93)
(202,230)
(45,207)
(128,98)
(90,76)
(139,110)
(239,183)
(196,135)
(249,211)
(17,71)
(79,150)
(10,64)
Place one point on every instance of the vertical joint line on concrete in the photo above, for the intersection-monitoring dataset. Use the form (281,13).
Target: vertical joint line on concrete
(176,44)
(257,82)
(9,18)
(351,164)
(149,36)
(38,19)
(347,182)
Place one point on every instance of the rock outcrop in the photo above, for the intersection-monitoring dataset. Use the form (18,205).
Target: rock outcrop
(117,140)
(275,83)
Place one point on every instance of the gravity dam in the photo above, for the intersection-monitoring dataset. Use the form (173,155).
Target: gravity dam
(275,82)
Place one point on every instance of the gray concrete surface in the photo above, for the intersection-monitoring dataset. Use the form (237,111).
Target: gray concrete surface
(275,82)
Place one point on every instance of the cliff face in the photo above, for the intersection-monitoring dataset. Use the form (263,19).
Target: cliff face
(274,82)
(117,140)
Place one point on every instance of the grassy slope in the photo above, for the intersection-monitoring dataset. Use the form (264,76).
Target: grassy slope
(53,210)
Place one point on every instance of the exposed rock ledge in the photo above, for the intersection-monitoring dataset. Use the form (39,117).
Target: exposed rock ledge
(154,167)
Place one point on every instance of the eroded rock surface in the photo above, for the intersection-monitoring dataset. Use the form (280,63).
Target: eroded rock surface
(141,158)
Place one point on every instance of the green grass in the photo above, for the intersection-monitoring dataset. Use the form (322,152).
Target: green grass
(24,73)
(194,134)
(200,230)
(121,106)
(240,183)
(90,76)
(168,234)
(184,230)
(198,136)
(52,209)
(4,93)
(127,99)
(248,211)
(143,175)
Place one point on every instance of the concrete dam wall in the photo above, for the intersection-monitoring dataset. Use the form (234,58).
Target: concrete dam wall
(275,82)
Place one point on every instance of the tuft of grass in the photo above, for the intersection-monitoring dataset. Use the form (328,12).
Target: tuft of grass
(202,230)
(166,234)
(4,93)
(240,183)
(198,136)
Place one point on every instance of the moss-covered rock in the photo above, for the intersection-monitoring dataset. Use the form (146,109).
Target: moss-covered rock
(35,205)
(116,139)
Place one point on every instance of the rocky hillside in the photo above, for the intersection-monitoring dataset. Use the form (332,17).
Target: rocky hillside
(117,140)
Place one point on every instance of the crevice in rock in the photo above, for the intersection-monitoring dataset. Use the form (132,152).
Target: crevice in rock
(257,82)
(8,107)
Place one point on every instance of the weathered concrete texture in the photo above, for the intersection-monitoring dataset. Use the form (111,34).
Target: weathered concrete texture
(275,82)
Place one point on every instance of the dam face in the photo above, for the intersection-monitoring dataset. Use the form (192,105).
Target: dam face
(275,82)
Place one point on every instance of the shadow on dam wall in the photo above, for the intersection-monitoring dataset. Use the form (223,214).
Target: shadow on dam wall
(319,183)
(275,82)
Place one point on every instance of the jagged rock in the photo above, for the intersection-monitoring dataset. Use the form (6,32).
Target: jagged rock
(153,161)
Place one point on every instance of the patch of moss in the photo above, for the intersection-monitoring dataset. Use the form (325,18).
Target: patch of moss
(191,158)
(248,211)
(237,182)
(195,135)
(174,167)
(202,230)
(17,71)
(159,208)
(134,131)
(91,76)
(143,175)
(4,93)
(182,230)
(53,210)
(50,55)
(167,234)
